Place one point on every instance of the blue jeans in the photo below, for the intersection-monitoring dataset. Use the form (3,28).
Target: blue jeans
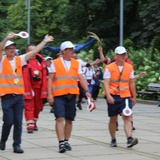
(90,87)
(12,106)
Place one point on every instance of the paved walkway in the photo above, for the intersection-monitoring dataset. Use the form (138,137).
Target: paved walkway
(90,138)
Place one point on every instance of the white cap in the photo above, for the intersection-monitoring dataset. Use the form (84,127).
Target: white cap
(66,44)
(48,58)
(120,50)
(8,43)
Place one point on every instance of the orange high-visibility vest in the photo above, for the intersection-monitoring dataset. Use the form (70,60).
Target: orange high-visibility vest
(119,82)
(8,76)
(65,82)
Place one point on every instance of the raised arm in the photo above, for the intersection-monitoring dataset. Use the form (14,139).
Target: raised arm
(39,47)
(100,49)
(97,61)
(3,42)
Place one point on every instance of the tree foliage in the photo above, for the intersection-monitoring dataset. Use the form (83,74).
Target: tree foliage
(72,19)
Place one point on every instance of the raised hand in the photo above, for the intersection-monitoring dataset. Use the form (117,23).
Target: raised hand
(48,38)
(11,35)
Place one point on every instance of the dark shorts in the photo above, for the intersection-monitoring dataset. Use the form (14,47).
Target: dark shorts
(64,107)
(118,106)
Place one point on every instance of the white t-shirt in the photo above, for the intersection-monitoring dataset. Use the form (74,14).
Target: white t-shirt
(89,73)
(66,65)
(108,75)
(82,64)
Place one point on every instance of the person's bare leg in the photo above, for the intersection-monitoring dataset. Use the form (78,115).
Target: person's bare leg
(68,129)
(60,134)
(60,128)
(67,132)
(112,130)
(127,125)
(128,131)
(112,126)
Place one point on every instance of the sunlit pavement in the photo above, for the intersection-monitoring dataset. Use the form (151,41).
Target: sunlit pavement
(90,138)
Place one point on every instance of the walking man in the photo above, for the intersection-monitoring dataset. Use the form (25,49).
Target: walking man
(12,89)
(62,90)
(119,85)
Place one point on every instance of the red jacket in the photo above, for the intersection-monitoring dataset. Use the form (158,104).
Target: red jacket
(31,80)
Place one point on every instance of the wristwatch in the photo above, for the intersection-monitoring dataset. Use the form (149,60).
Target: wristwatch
(45,40)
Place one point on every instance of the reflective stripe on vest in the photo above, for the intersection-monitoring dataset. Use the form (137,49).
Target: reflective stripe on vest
(65,87)
(10,76)
(11,81)
(65,77)
(119,82)
(65,82)
(119,89)
(11,85)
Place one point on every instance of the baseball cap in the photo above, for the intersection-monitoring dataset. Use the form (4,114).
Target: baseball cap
(48,58)
(66,44)
(120,50)
(8,43)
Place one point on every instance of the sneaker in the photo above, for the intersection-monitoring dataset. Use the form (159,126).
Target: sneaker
(67,146)
(79,106)
(133,128)
(114,143)
(18,150)
(52,110)
(30,130)
(2,146)
(132,142)
(62,148)
(35,128)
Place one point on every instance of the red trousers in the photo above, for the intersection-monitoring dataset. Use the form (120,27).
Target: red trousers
(33,107)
